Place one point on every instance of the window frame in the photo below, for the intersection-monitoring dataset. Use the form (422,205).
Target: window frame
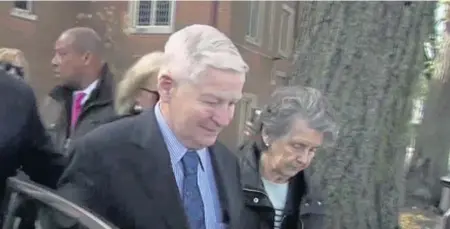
(150,29)
(273,7)
(282,77)
(22,13)
(290,31)
(278,76)
(257,39)
(252,100)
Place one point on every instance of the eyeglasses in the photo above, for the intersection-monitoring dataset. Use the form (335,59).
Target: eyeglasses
(10,67)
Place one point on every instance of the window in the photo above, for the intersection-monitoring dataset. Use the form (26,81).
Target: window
(280,78)
(23,9)
(273,7)
(256,22)
(286,31)
(23,5)
(152,16)
(246,107)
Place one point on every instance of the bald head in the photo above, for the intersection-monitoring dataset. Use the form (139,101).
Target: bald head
(83,39)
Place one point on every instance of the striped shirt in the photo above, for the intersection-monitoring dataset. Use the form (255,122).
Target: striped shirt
(205,173)
(277,194)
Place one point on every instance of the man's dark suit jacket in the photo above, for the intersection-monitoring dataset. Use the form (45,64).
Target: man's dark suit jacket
(122,172)
(24,143)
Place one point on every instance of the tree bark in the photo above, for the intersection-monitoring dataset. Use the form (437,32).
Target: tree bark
(433,140)
(365,57)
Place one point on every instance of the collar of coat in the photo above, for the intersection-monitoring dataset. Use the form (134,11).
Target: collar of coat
(249,159)
(103,93)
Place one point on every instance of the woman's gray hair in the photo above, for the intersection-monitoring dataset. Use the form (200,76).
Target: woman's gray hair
(288,104)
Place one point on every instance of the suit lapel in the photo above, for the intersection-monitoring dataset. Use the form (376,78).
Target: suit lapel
(228,196)
(156,174)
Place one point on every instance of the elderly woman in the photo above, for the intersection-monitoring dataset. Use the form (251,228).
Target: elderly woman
(295,123)
(137,90)
(13,61)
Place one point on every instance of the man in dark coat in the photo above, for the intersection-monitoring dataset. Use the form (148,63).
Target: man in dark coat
(23,141)
(84,99)
(163,168)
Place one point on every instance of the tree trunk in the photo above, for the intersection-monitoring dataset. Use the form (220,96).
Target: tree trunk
(433,140)
(365,57)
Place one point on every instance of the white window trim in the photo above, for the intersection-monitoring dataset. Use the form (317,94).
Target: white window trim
(25,14)
(290,30)
(273,7)
(260,28)
(273,76)
(243,116)
(282,75)
(134,29)
(277,75)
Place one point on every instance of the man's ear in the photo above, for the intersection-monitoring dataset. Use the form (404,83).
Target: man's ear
(87,58)
(166,84)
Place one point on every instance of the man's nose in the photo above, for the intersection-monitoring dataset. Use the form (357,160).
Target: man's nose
(222,116)
(54,62)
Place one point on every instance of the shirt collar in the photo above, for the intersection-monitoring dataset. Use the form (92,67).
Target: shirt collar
(87,91)
(175,147)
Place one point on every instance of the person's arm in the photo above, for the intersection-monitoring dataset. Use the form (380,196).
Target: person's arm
(38,159)
(84,182)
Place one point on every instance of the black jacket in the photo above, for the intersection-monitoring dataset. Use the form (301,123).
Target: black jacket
(95,112)
(24,143)
(304,207)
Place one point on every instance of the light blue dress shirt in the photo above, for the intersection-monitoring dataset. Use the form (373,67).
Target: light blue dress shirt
(206,179)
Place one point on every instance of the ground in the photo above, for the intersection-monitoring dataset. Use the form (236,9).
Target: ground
(415,218)
(419,216)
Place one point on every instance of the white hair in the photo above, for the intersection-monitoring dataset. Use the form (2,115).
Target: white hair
(195,48)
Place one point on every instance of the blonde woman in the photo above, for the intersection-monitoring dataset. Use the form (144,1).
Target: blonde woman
(13,60)
(137,91)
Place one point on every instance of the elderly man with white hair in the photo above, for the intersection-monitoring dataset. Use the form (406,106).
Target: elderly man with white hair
(164,169)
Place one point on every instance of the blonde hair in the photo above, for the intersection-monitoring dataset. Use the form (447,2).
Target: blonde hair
(143,72)
(15,57)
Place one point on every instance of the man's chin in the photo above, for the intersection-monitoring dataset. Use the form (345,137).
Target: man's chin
(207,141)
